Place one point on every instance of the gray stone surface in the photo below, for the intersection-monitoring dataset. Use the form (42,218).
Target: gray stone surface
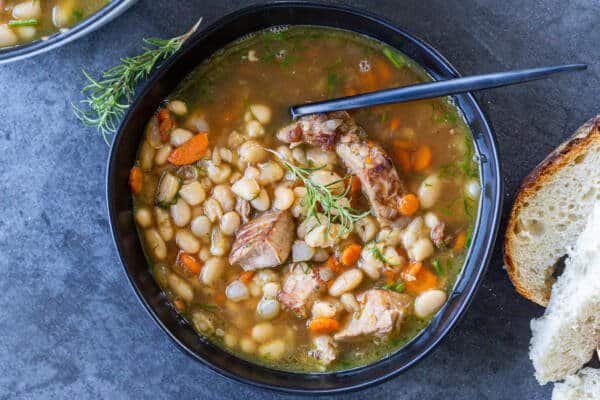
(70,325)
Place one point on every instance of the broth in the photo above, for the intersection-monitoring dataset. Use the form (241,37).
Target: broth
(395,270)
(23,21)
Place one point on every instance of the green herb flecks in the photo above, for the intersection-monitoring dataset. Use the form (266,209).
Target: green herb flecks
(394,58)
(208,307)
(77,14)
(109,97)
(396,286)
(321,197)
(15,23)
(437,266)
(468,165)
(332,80)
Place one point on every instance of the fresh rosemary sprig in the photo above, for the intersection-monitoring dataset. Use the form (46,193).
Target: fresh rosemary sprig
(321,197)
(109,97)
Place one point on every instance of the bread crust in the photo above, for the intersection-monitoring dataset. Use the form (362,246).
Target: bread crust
(563,155)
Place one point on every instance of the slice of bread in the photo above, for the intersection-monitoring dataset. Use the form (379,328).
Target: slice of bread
(585,385)
(550,211)
(565,338)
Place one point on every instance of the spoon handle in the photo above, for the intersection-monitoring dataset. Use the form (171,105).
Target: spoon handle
(432,89)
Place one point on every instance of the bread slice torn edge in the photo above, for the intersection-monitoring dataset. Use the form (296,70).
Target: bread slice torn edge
(567,153)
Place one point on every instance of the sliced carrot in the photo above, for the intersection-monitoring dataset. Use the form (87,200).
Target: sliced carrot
(135,180)
(384,73)
(350,91)
(403,144)
(421,158)
(413,268)
(460,241)
(351,254)
(179,305)
(408,204)
(390,276)
(424,280)
(334,265)
(395,124)
(369,81)
(191,151)
(403,157)
(165,124)
(368,160)
(323,325)
(191,263)
(246,276)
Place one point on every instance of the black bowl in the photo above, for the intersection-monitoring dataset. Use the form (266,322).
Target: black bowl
(123,153)
(93,22)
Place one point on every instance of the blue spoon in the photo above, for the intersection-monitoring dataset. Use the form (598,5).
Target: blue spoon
(432,89)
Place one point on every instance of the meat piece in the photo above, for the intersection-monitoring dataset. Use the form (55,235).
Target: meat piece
(265,241)
(242,207)
(380,312)
(367,160)
(325,350)
(301,287)
(437,235)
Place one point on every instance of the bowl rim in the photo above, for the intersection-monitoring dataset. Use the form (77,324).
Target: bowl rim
(111,10)
(485,245)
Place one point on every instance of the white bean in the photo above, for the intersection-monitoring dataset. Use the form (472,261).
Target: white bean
(202,323)
(252,152)
(321,255)
(283,198)
(262,202)
(213,210)
(251,173)
(429,192)
(230,340)
(268,308)
(299,155)
(147,153)
(27,10)
(235,139)
(270,172)
(230,222)
(180,287)
(7,36)
(237,291)
(181,213)
(264,276)
(247,345)
(162,155)
(319,157)
(212,270)
(345,282)
(331,180)
(301,251)
(156,244)
(429,302)
(390,236)
(349,302)
(163,222)
(262,332)
(472,189)
(26,32)
(366,228)
(323,309)
(218,174)
(177,107)
(187,242)
(246,188)
(62,16)
(143,217)
(271,290)
(431,220)
(219,243)
(225,197)
(273,350)
(204,254)
(179,136)
(261,112)
(369,263)
(193,193)
(201,226)
(254,129)
(421,249)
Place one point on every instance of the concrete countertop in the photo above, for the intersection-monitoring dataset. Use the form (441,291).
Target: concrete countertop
(70,325)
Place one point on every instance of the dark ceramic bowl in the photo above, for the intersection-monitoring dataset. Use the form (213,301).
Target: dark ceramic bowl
(93,22)
(163,82)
